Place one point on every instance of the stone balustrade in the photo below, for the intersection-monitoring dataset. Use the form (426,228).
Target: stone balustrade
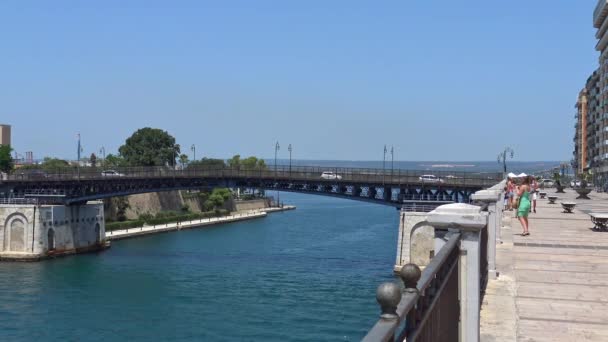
(472,229)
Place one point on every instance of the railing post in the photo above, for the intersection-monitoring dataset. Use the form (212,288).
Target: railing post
(470,221)
(410,274)
(491,199)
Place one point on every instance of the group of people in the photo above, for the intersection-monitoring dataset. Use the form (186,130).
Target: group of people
(521,196)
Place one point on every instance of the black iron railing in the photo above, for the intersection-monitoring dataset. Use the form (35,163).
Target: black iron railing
(279,174)
(428,309)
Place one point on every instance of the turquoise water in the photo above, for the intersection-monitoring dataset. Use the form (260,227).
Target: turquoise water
(303,275)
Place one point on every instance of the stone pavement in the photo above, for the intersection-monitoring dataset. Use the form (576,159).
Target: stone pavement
(553,284)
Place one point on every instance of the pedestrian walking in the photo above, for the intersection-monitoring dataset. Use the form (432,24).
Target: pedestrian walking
(511,192)
(524,205)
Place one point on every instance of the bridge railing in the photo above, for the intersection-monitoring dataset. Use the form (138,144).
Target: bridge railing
(279,173)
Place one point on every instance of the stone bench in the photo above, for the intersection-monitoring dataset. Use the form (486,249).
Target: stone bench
(552,199)
(600,220)
(542,194)
(568,207)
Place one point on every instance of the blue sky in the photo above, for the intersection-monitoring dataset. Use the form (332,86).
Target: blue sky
(439,80)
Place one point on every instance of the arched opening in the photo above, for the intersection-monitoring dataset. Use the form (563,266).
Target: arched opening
(51,239)
(17,235)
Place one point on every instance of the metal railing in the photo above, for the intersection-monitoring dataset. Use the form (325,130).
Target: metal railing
(428,309)
(280,173)
(19,201)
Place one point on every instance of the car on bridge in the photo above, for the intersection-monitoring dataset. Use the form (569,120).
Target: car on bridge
(34,174)
(430,179)
(111,173)
(330,175)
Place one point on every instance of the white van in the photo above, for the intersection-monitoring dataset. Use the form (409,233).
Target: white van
(430,179)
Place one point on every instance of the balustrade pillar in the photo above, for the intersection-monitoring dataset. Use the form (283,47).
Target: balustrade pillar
(470,221)
(491,199)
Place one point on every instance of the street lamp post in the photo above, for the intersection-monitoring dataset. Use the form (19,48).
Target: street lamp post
(102,151)
(277,147)
(392,160)
(384,164)
(289,149)
(502,156)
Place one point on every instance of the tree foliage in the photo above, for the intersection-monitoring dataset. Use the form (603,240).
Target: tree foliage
(6,160)
(218,197)
(183,159)
(208,163)
(54,163)
(114,161)
(93,160)
(150,147)
(235,161)
(249,163)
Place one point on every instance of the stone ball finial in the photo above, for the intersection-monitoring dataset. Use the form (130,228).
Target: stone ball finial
(388,296)
(410,274)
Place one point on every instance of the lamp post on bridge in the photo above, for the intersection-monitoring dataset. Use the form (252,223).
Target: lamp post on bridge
(392,160)
(277,147)
(102,151)
(289,149)
(384,164)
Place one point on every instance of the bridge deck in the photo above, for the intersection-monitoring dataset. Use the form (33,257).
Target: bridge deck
(553,284)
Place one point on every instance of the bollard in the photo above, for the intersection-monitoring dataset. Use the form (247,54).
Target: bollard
(388,296)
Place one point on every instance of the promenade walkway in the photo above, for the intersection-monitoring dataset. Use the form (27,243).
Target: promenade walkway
(234,217)
(553,284)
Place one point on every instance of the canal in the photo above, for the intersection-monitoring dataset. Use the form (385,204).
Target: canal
(303,275)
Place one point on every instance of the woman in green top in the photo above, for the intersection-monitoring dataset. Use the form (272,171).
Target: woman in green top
(524,205)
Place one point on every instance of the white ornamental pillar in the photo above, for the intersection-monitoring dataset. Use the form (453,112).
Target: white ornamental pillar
(470,221)
(491,199)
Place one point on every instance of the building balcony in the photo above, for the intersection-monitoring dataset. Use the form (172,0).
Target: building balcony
(600,12)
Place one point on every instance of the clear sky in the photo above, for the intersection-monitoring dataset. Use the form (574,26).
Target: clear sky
(439,80)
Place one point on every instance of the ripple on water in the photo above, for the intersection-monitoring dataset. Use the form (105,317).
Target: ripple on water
(304,275)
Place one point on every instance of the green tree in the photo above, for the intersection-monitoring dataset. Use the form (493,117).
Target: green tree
(208,163)
(150,147)
(93,160)
(6,160)
(54,163)
(251,163)
(218,197)
(235,161)
(183,159)
(114,161)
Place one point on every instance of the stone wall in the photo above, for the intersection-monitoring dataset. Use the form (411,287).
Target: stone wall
(416,240)
(251,204)
(34,232)
(153,203)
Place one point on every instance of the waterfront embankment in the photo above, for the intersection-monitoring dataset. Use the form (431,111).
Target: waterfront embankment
(163,228)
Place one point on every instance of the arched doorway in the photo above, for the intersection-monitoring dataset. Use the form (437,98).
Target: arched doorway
(17,235)
(51,239)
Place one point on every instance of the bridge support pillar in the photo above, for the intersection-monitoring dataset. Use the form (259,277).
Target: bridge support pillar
(33,232)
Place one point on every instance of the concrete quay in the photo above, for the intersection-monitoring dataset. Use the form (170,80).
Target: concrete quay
(235,217)
(553,284)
